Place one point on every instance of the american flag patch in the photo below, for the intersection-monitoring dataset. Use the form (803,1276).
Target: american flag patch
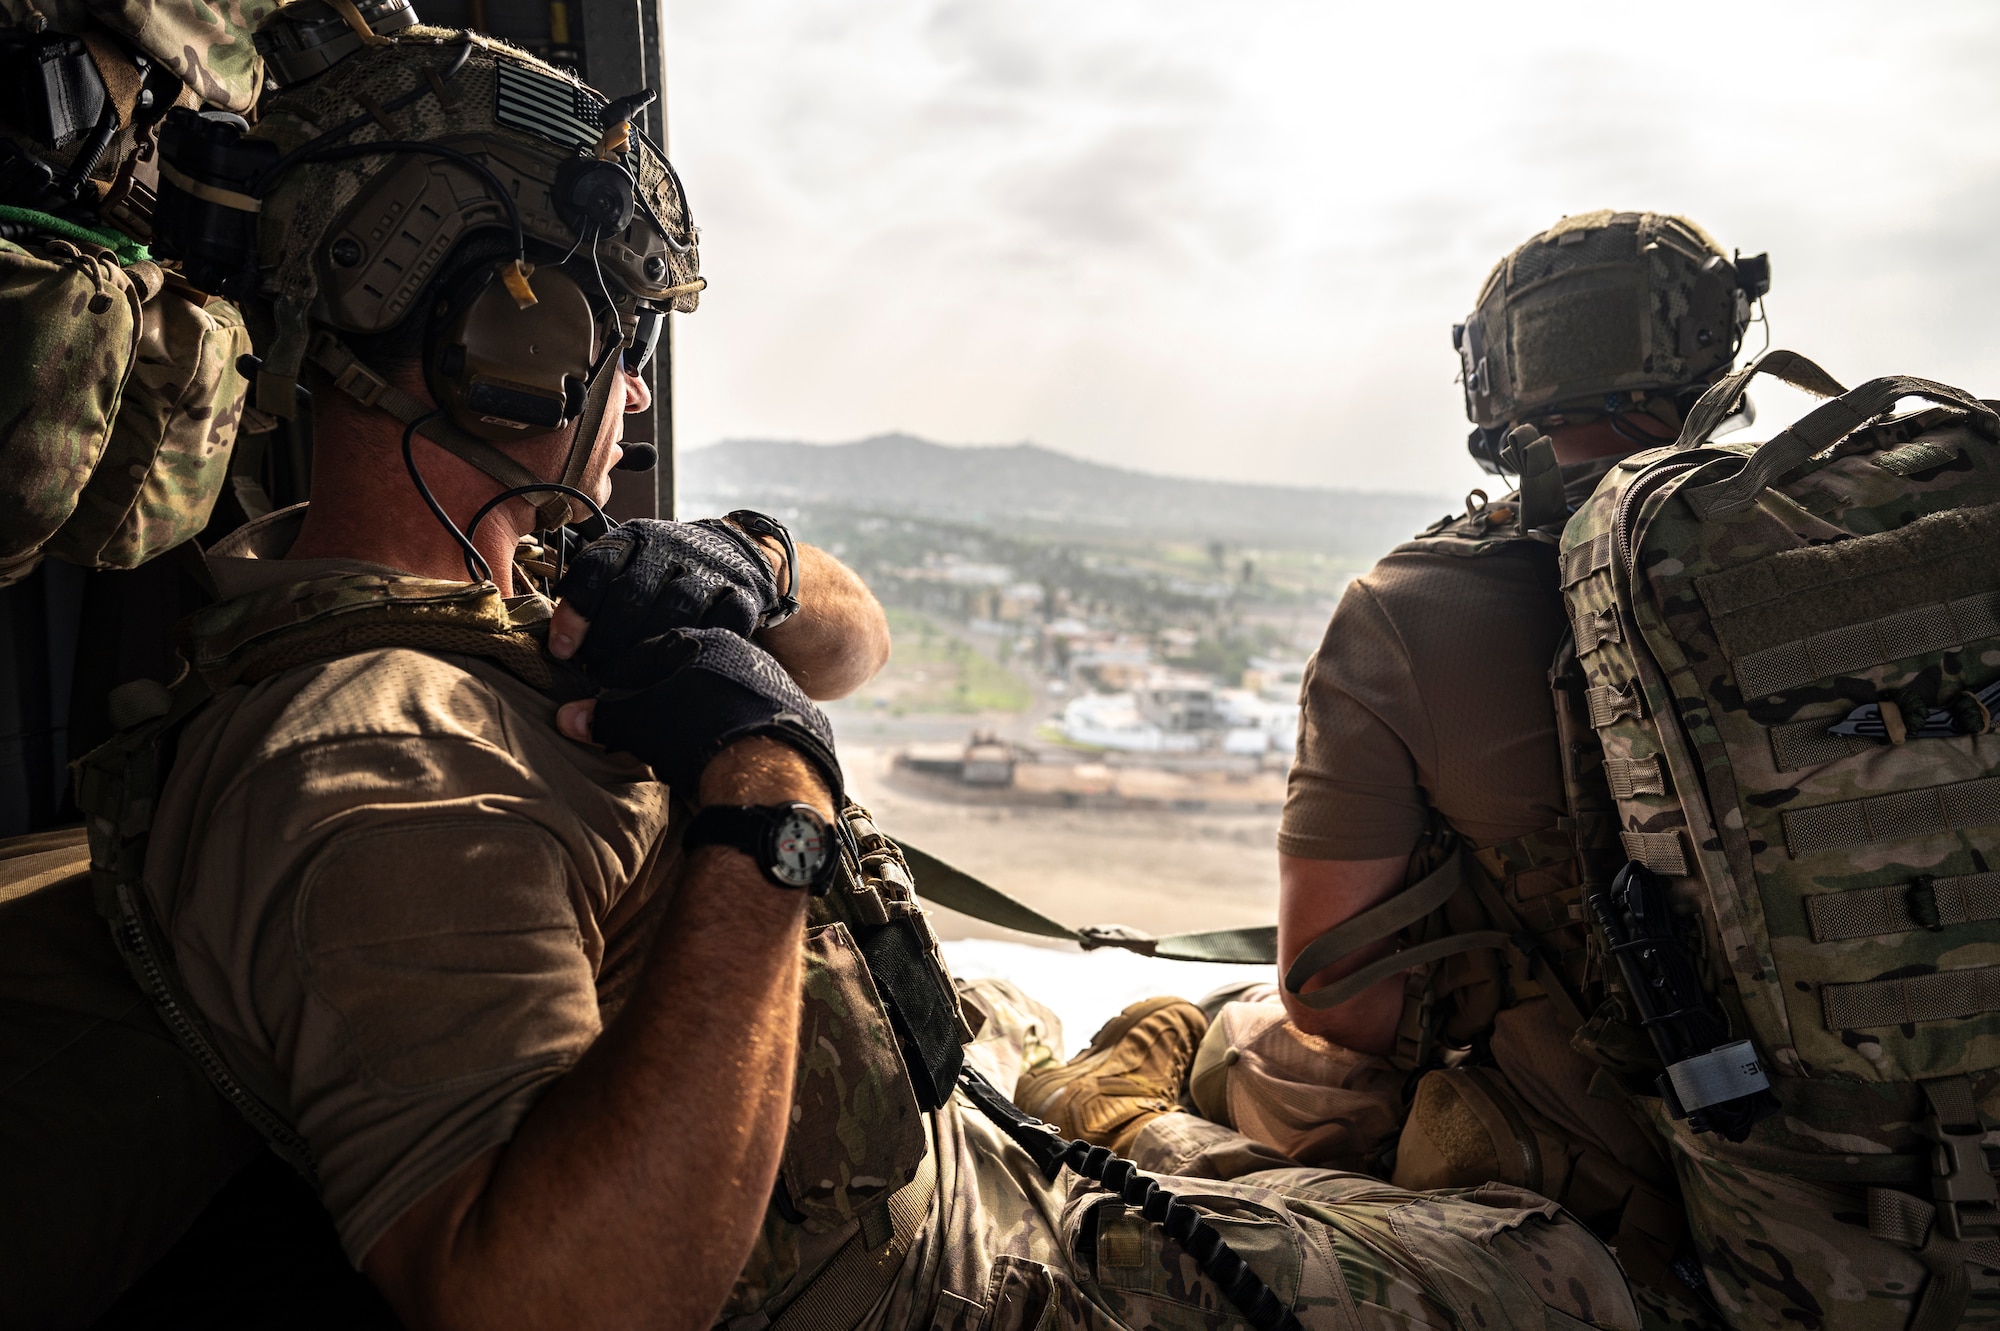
(527,99)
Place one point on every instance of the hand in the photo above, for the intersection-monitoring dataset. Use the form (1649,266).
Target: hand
(679,699)
(646,577)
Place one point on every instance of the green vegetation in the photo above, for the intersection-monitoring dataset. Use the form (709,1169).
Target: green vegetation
(932,669)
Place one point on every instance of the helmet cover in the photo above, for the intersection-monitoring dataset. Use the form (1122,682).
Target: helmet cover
(357,240)
(1596,313)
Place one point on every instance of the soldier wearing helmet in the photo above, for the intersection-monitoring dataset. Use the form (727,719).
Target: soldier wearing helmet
(398,906)
(543,941)
(1428,806)
(1615,321)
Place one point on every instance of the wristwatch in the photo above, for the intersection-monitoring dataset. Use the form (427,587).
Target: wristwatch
(792,845)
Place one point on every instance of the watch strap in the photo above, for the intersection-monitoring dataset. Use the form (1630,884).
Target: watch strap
(750,828)
(763,524)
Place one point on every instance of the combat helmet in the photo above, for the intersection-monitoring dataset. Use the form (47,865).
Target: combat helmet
(1602,314)
(440,183)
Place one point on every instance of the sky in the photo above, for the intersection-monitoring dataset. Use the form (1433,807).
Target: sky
(1230,240)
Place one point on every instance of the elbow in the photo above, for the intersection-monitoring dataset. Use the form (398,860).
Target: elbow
(862,651)
(876,653)
(1367,1023)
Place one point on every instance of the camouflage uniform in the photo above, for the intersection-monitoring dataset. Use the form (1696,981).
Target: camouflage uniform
(1002,1247)
(888,1217)
(126,399)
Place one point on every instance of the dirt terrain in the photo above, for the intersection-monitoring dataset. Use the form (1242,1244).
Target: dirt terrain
(1155,870)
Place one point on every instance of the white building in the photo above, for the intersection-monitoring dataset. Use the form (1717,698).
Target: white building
(1178,713)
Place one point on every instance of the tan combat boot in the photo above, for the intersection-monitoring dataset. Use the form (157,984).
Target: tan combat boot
(1130,1075)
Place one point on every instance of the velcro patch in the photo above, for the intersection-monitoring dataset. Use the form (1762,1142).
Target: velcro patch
(542,104)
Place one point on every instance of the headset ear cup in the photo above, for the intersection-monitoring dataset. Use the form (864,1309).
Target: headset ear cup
(504,373)
(444,333)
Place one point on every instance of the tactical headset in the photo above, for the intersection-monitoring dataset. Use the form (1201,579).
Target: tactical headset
(498,145)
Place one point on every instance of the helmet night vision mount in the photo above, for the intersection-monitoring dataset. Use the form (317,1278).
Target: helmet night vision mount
(439,176)
(1602,314)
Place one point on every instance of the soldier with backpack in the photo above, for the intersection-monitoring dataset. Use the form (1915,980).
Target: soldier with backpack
(648,1032)
(1787,654)
(1427,819)
(1738,983)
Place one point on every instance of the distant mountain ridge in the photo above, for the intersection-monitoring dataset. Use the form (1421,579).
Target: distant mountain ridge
(1015,484)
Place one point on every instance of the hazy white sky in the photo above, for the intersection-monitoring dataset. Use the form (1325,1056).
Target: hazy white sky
(1230,239)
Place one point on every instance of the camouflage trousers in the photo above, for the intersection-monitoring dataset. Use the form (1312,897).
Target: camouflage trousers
(1008,1250)
(1783,1253)
(999,1248)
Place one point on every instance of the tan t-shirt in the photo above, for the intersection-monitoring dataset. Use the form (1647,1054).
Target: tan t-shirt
(404,902)
(1430,690)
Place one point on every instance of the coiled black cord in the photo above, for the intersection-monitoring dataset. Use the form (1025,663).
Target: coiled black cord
(545,487)
(1182,1223)
(603,519)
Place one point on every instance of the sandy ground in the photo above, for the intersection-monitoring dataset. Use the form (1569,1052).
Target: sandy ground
(1158,871)
(1161,872)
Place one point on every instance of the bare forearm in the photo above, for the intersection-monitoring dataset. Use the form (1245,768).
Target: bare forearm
(839,638)
(631,1194)
(1314,896)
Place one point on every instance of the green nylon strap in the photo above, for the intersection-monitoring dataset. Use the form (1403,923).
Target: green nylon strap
(1716,404)
(947,885)
(128,250)
(1256,945)
(1423,954)
(1377,923)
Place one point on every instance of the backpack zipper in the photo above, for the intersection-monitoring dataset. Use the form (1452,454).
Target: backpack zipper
(1629,503)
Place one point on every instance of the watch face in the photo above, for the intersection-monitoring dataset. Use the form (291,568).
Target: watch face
(801,847)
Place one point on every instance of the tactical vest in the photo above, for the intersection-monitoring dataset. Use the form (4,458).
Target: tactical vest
(881,1028)
(1528,887)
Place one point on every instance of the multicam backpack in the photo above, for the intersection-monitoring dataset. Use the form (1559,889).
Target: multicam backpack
(1792,656)
(121,393)
(123,400)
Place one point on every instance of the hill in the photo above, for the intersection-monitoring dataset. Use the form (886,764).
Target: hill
(1026,485)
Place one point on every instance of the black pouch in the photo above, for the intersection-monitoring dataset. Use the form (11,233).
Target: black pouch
(878,899)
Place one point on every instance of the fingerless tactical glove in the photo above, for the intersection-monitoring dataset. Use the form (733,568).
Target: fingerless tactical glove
(645,578)
(678,699)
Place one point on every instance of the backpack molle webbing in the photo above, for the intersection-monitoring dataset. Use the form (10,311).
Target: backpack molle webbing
(1740,610)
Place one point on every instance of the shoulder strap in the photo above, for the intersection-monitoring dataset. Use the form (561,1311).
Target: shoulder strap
(1722,396)
(1817,430)
(1821,428)
(251,637)
(1373,925)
